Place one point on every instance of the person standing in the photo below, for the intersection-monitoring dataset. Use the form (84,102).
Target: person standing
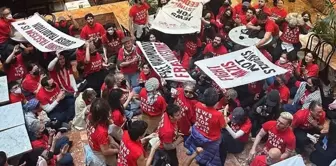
(92,30)
(138,18)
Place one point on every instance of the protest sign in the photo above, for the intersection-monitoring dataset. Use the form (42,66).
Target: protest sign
(45,37)
(240,67)
(292,161)
(179,17)
(163,61)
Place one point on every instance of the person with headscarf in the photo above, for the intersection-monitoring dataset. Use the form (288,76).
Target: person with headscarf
(235,136)
(206,132)
(152,104)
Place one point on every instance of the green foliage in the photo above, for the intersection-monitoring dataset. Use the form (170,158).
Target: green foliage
(326,27)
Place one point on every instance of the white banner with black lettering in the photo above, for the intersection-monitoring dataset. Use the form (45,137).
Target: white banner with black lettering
(240,67)
(45,37)
(179,17)
(163,61)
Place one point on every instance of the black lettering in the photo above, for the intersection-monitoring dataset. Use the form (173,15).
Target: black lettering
(269,71)
(26,27)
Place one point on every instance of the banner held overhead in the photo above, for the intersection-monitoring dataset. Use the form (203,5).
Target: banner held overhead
(45,37)
(239,68)
(163,61)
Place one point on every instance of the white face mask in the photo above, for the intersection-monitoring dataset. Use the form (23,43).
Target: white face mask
(17,91)
(9,17)
(282,60)
(110,32)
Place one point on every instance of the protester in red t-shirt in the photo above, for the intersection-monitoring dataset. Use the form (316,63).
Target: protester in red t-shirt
(278,12)
(280,135)
(230,99)
(98,120)
(280,85)
(236,135)
(128,61)
(261,7)
(307,67)
(168,133)
(186,99)
(131,148)
(93,60)
(244,19)
(241,9)
(15,93)
(216,47)
(14,65)
(138,17)
(6,46)
(152,104)
(263,22)
(118,117)
(66,27)
(273,156)
(31,83)
(112,42)
(146,73)
(92,30)
(308,121)
(192,46)
(286,64)
(222,9)
(60,70)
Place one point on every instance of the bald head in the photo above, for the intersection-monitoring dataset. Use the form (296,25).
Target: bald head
(274,154)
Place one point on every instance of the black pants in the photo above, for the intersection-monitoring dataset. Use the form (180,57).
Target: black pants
(301,138)
(163,157)
(229,145)
(95,80)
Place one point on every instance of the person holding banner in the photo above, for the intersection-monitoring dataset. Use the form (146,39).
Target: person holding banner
(14,65)
(6,45)
(216,47)
(129,60)
(31,83)
(92,30)
(192,46)
(138,20)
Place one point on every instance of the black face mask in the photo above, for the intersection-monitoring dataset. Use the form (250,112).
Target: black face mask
(123,83)
(306,19)
(36,73)
(276,83)
(310,88)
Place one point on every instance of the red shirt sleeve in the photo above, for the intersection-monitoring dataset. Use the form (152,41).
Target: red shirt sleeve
(167,137)
(206,49)
(118,118)
(254,21)
(83,34)
(221,120)
(322,118)
(120,55)
(313,71)
(146,6)
(246,127)
(291,141)
(297,83)
(297,119)
(120,34)
(268,125)
(132,12)
(102,137)
(270,27)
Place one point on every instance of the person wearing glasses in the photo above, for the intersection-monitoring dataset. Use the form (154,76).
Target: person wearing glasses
(280,135)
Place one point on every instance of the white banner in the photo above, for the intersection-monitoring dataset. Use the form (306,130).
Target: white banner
(163,61)
(45,37)
(240,67)
(292,161)
(179,17)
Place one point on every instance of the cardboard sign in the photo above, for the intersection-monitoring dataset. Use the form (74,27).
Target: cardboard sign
(163,61)
(179,17)
(240,67)
(45,37)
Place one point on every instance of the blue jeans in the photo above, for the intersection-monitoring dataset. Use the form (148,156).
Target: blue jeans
(291,108)
(64,111)
(133,109)
(132,79)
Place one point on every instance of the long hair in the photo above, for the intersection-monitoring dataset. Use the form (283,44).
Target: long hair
(224,18)
(114,35)
(317,83)
(100,113)
(114,100)
(314,57)
(109,82)
(66,65)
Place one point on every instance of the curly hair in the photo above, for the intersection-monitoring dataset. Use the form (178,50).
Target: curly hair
(294,19)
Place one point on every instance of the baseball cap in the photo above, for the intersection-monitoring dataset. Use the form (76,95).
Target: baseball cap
(273,98)
(238,115)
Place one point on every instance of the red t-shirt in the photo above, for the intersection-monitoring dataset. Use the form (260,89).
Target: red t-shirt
(270,26)
(97,30)
(40,142)
(238,10)
(245,127)
(97,136)
(209,121)
(284,92)
(167,130)
(16,70)
(221,50)
(129,151)
(143,77)
(300,119)
(187,107)
(95,64)
(30,83)
(114,45)
(190,47)
(221,10)
(259,161)
(279,139)
(5,29)
(131,68)
(277,12)
(46,97)
(223,102)
(117,117)
(156,109)
(255,87)
(80,55)
(13,98)
(244,19)
(313,69)
(139,13)
(62,78)
(265,9)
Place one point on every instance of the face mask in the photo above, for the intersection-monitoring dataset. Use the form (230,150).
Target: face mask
(306,19)
(9,17)
(110,32)
(276,83)
(36,73)
(282,60)
(123,83)
(17,91)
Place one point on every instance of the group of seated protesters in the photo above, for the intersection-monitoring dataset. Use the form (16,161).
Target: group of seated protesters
(122,102)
